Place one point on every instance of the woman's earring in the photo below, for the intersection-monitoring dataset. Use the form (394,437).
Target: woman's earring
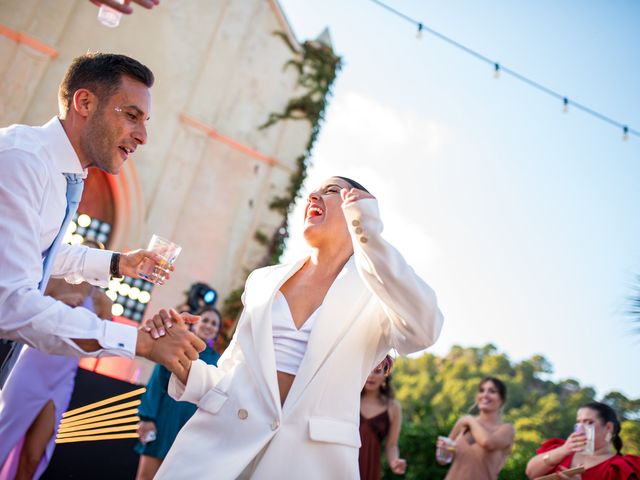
(607,437)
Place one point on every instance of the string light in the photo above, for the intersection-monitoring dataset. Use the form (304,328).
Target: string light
(419,32)
(626,130)
(565,105)
(496,70)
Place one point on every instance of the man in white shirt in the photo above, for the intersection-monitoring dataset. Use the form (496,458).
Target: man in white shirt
(104,103)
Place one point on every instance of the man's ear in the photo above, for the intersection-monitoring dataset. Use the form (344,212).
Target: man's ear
(84,102)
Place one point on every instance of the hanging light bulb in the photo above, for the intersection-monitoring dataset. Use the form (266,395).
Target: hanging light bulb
(496,70)
(625,133)
(419,32)
(565,105)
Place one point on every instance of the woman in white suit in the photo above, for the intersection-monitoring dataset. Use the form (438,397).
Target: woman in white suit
(284,400)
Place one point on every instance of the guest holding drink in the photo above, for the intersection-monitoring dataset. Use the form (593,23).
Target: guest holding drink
(605,462)
(380,421)
(481,444)
(161,416)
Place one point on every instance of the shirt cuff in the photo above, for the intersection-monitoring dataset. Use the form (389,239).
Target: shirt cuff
(96,266)
(119,340)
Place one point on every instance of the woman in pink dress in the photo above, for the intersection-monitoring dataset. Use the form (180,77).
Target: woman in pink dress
(482,443)
(38,392)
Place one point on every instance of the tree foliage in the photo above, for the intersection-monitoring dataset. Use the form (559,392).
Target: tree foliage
(435,391)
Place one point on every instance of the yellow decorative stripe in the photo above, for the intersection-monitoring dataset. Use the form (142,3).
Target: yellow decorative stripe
(134,403)
(94,438)
(107,401)
(74,428)
(72,422)
(123,428)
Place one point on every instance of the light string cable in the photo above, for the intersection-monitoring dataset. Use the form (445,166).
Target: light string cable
(499,68)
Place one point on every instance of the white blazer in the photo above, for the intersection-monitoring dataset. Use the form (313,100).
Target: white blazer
(376,303)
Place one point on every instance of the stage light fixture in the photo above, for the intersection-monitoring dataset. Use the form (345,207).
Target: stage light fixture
(200,294)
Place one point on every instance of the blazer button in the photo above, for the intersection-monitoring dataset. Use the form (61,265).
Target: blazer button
(364,239)
(355,223)
(242,414)
(358,230)
(275,424)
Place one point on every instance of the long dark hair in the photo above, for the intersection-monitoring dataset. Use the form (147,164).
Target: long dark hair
(385,391)
(608,414)
(499,384)
(209,308)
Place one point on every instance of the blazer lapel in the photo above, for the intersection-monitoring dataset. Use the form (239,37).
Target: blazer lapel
(334,319)
(261,325)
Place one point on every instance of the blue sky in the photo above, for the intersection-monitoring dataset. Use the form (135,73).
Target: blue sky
(524,219)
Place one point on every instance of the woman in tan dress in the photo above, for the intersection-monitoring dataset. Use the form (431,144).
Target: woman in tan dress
(483,442)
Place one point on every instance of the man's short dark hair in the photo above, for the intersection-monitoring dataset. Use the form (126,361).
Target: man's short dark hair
(101,73)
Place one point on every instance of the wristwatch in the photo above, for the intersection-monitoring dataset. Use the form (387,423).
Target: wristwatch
(114,267)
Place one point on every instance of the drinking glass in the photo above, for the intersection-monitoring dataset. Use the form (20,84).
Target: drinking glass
(589,431)
(168,250)
(108,16)
(444,454)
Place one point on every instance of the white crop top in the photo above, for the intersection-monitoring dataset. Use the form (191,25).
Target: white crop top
(289,343)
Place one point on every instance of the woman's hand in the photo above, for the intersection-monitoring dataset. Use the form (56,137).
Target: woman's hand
(352,195)
(398,466)
(575,443)
(158,325)
(144,428)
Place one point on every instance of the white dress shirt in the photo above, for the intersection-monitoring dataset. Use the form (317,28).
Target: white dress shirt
(32,208)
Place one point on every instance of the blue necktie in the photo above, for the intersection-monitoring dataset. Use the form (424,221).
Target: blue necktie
(75,183)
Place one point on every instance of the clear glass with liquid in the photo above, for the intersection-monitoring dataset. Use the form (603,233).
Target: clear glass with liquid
(108,16)
(444,453)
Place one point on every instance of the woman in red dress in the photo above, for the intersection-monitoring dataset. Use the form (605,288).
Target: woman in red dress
(380,419)
(557,455)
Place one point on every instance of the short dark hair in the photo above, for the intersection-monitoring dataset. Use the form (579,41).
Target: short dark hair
(101,73)
(353,183)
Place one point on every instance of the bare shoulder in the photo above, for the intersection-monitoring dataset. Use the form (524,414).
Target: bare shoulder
(395,410)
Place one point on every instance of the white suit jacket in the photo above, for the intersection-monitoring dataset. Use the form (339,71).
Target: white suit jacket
(240,430)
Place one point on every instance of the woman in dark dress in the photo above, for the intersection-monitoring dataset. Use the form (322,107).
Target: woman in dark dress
(380,420)
(161,417)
